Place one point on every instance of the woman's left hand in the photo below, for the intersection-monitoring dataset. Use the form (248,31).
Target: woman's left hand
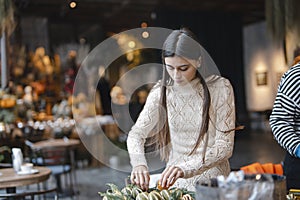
(170,175)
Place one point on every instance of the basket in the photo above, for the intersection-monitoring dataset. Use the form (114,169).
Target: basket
(246,189)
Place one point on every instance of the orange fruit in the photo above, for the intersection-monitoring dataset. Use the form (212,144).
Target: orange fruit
(159,187)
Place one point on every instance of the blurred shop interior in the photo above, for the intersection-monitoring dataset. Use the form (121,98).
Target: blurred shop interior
(44,44)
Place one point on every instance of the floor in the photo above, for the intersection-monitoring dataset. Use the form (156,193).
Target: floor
(255,146)
(252,146)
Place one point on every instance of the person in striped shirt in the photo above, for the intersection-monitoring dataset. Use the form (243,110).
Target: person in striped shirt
(285,123)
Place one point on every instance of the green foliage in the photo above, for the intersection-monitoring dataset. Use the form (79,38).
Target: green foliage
(7,115)
(133,192)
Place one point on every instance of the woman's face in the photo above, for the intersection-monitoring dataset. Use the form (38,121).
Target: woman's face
(180,70)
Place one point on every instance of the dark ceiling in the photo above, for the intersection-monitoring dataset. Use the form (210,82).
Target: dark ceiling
(117,15)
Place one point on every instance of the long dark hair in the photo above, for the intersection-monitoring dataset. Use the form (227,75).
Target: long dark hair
(181,43)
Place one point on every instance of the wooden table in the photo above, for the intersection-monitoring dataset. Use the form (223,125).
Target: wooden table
(68,143)
(9,179)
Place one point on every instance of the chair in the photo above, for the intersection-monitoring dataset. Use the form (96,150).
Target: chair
(58,160)
(5,157)
(31,194)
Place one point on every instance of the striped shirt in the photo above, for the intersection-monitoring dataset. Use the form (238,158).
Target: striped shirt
(285,117)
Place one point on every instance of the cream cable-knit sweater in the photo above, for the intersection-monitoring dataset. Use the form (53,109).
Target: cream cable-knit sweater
(184,114)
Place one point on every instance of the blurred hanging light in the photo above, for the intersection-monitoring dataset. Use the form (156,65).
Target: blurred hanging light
(145,34)
(144,25)
(72,4)
(131,44)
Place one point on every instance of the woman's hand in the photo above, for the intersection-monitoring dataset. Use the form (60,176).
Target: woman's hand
(170,175)
(140,177)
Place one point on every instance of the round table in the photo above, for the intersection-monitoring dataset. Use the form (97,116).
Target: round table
(9,179)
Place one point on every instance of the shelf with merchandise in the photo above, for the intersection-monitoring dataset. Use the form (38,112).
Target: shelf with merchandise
(7,113)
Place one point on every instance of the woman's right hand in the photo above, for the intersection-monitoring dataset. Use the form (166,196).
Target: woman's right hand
(140,177)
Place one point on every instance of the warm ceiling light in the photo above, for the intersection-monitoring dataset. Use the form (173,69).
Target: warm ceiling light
(73,4)
(131,44)
(145,34)
(144,25)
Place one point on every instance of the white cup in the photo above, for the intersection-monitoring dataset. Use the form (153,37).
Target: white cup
(26,167)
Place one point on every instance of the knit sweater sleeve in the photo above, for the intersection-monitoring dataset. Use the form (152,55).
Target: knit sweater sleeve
(222,147)
(285,119)
(139,132)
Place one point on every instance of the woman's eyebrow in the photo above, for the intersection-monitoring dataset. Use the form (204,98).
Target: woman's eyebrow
(183,65)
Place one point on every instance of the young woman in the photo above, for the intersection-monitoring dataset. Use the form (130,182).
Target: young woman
(190,114)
